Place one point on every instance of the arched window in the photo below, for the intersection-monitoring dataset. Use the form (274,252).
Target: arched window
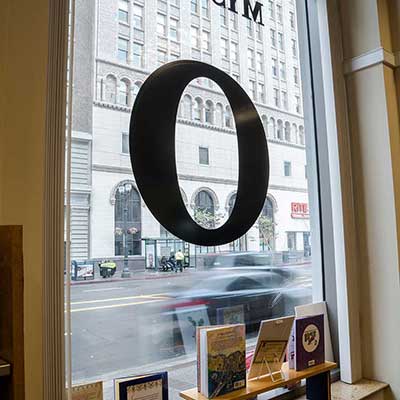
(198,108)
(288,137)
(280,130)
(219,114)
(123,93)
(228,117)
(295,134)
(231,203)
(205,209)
(128,220)
(302,139)
(136,87)
(272,128)
(187,107)
(264,120)
(209,112)
(266,225)
(111,89)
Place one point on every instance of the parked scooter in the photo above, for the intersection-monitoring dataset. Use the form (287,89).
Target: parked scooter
(167,264)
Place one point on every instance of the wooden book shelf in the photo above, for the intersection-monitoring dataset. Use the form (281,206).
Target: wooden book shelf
(318,384)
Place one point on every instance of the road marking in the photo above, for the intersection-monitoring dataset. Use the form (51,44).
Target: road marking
(103,290)
(114,306)
(150,296)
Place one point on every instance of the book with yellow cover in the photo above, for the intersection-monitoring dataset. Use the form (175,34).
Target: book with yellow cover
(91,391)
(222,360)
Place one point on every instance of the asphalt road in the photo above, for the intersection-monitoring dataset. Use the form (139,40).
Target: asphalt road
(112,332)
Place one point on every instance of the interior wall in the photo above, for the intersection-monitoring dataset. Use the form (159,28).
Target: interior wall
(23,45)
(374,140)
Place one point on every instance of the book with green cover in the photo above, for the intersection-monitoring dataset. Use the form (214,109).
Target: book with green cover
(222,360)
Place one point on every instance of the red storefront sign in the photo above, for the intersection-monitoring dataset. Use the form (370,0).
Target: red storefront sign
(300,210)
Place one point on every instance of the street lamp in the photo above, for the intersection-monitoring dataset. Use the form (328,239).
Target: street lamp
(124,191)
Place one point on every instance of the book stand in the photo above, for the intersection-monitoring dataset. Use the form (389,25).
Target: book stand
(270,372)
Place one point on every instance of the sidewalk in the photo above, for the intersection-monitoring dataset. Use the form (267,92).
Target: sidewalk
(135,276)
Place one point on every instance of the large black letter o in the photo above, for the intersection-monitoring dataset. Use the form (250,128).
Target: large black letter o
(152,149)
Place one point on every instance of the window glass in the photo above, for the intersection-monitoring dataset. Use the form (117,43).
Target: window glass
(141,319)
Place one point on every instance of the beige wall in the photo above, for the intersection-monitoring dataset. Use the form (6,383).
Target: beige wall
(23,45)
(375,148)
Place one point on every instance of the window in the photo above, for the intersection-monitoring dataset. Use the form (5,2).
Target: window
(250,58)
(123,50)
(279,13)
(137,56)
(206,41)
(209,112)
(125,143)
(271,9)
(276,97)
(138,22)
(161,24)
(195,37)
(291,241)
(281,43)
(294,48)
(261,93)
(174,29)
(224,18)
(198,110)
(109,218)
(127,213)
(123,14)
(274,67)
(282,71)
(284,98)
(205,6)
(273,37)
(260,62)
(287,168)
(204,156)
(234,52)
(296,78)
(252,89)
(292,20)
(161,56)
(111,89)
(298,104)
(123,94)
(195,6)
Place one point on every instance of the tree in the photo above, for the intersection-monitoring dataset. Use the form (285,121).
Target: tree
(206,219)
(267,231)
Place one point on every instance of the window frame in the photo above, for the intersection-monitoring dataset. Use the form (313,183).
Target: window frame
(328,193)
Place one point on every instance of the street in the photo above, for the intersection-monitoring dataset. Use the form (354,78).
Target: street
(147,323)
(110,327)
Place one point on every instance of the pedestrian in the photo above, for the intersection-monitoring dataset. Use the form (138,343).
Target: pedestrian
(179,257)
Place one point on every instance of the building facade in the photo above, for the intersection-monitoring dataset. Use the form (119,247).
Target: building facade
(131,39)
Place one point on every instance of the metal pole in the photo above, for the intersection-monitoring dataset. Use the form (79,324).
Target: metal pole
(125,272)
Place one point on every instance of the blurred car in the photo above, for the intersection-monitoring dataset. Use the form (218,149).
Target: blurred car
(229,260)
(243,296)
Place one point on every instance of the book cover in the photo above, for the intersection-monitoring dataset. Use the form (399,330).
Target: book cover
(230,315)
(91,391)
(272,342)
(309,342)
(145,387)
(225,349)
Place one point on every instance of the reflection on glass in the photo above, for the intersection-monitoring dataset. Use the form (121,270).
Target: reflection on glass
(146,323)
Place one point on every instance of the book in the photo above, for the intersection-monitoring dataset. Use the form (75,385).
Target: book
(144,387)
(272,342)
(91,391)
(316,309)
(222,360)
(230,315)
(309,343)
